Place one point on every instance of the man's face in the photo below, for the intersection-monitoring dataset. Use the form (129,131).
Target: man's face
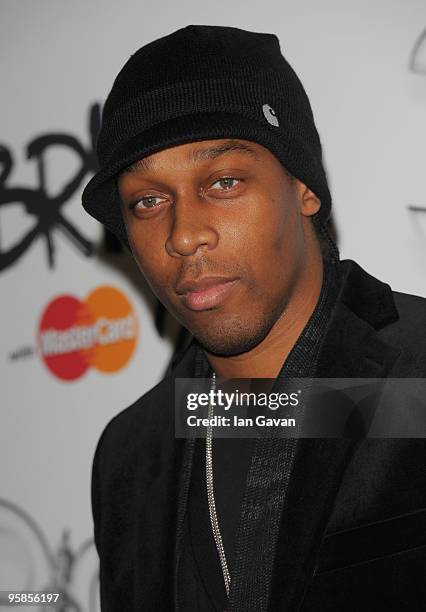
(219,231)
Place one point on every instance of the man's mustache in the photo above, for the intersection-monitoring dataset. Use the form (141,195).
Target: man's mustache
(203,267)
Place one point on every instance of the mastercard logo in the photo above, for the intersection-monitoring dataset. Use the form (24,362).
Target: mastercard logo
(99,332)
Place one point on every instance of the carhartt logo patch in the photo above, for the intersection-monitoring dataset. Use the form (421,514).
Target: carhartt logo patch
(270,115)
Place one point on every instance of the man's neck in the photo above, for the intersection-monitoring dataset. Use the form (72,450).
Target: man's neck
(266,359)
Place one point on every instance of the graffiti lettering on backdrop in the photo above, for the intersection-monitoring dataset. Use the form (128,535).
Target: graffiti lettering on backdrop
(417,64)
(418,55)
(28,564)
(47,210)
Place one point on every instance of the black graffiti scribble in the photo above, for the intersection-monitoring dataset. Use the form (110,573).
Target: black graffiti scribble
(417,62)
(47,210)
(415,208)
(61,563)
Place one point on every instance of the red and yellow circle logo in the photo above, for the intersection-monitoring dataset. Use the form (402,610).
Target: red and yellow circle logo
(99,332)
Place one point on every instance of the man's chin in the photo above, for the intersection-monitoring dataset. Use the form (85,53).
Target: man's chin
(226,343)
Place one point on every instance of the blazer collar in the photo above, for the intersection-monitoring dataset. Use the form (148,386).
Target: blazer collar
(369,298)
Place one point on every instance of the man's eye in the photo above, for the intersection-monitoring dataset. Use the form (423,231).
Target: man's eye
(226,182)
(147,202)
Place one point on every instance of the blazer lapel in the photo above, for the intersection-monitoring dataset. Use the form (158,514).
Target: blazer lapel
(184,450)
(351,349)
(193,363)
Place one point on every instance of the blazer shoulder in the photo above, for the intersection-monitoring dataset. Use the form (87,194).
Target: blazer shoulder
(411,322)
(149,420)
(408,333)
(126,428)
(411,308)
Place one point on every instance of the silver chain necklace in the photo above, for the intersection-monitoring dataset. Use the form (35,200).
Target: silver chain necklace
(210,496)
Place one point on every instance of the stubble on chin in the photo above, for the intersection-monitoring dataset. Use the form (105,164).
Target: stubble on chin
(235,336)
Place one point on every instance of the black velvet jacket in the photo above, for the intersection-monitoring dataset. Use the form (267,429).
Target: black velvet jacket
(352,533)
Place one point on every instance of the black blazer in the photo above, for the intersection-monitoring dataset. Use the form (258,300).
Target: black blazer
(352,534)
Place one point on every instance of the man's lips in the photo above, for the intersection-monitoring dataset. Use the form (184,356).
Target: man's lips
(205,293)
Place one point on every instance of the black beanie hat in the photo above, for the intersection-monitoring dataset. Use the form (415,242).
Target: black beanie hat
(202,83)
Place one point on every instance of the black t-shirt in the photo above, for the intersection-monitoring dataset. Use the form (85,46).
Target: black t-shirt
(201,583)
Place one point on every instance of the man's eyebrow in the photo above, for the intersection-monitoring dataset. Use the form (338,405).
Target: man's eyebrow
(146,163)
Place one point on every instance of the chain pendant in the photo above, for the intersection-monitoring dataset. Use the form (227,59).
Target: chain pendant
(210,497)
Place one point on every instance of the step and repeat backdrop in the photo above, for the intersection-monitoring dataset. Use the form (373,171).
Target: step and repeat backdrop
(81,335)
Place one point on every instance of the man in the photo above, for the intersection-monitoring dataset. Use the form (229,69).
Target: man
(211,172)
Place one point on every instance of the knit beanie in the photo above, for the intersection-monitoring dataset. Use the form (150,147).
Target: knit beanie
(202,83)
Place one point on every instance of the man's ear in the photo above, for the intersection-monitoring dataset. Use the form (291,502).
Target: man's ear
(309,202)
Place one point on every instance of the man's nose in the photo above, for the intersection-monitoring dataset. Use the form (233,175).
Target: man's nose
(191,226)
